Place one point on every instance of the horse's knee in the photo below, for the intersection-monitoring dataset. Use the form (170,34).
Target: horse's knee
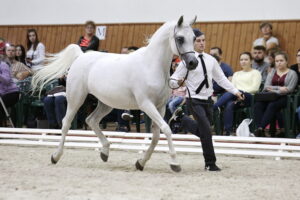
(166,130)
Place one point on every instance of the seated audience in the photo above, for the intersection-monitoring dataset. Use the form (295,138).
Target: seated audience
(9,92)
(89,41)
(20,54)
(258,54)
(281,81)
(55,105)
(35,51)
(246,81)
(267,40)
(227,69)
(19,71)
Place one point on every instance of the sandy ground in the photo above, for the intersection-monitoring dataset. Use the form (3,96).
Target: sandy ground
(26,173)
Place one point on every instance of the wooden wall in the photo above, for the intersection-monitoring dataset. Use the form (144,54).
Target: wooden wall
(232,37)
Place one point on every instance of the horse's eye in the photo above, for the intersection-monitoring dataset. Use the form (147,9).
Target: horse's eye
(180,40)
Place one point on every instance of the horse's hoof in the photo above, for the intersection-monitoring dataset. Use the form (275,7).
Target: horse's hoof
(139,166)
(104,157)
(52,160)
(175,168)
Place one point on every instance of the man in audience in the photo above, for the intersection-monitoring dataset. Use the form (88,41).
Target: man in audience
(217,53)
(19,71)
(267,40)
(258,54)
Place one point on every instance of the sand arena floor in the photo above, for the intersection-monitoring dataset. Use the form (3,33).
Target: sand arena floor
(26,173)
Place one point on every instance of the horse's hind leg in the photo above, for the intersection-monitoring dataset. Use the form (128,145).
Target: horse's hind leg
(74,103)
(93,121)
(149,108)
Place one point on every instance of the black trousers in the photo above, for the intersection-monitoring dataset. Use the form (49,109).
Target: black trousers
(202,111)
(9,100)
(265,112)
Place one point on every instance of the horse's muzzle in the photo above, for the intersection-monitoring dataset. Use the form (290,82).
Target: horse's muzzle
(191,62)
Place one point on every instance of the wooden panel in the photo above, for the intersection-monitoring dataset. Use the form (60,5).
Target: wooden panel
(232,37)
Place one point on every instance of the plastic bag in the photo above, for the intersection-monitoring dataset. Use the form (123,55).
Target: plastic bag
(243,129)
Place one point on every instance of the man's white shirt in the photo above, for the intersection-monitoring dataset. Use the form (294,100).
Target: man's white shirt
(196,77)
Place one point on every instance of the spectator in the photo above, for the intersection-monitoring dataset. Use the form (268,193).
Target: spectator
(89,41)
(2,47)
(55,105)
(258,63)
(267,40)
(227,69)
(20,54)
(246,81)
(9,92)
(280,80)
(296,67)
(19,71)
(35,51)
(271,58)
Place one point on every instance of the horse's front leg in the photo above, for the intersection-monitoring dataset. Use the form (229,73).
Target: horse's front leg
(149,108)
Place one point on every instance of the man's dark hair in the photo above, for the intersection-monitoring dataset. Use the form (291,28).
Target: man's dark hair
(259,47)
(219,49)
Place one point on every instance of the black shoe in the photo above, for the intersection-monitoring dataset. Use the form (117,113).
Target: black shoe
(176,116)
(259,132)
(212,167)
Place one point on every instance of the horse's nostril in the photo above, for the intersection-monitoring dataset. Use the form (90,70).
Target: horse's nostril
(191,63)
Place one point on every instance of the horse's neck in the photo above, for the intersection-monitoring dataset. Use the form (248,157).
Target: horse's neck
(161,52)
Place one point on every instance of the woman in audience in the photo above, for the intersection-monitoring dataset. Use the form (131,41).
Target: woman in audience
(280,80)
(247,81)
(35,51)
(20,54)
(9,92)
(89,41)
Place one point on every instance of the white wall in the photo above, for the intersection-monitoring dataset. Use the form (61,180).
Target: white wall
(122,11)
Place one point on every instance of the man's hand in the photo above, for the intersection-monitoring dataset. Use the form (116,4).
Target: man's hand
(180,81)
(240,96)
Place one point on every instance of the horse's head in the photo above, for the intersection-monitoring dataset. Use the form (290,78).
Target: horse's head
(182,43)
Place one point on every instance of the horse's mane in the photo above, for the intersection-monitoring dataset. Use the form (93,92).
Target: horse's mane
(163,32)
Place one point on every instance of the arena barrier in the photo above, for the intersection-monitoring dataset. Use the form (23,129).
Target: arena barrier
(185,143)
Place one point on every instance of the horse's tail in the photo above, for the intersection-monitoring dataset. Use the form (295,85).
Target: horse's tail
(56,66)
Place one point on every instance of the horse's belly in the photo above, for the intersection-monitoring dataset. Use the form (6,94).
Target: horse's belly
(116,99)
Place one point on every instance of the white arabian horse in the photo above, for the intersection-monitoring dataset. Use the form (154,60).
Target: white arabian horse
(135,81)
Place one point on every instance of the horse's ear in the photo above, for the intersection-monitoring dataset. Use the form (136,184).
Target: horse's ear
(180,21)
(193,21)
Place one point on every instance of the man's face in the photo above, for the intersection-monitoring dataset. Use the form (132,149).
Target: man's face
(266,30)
(258,55)
(10,52)
(199,44)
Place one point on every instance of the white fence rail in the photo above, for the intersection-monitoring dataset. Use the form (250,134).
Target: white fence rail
(249,146)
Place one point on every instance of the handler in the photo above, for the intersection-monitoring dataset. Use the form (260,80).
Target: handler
(199,84)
